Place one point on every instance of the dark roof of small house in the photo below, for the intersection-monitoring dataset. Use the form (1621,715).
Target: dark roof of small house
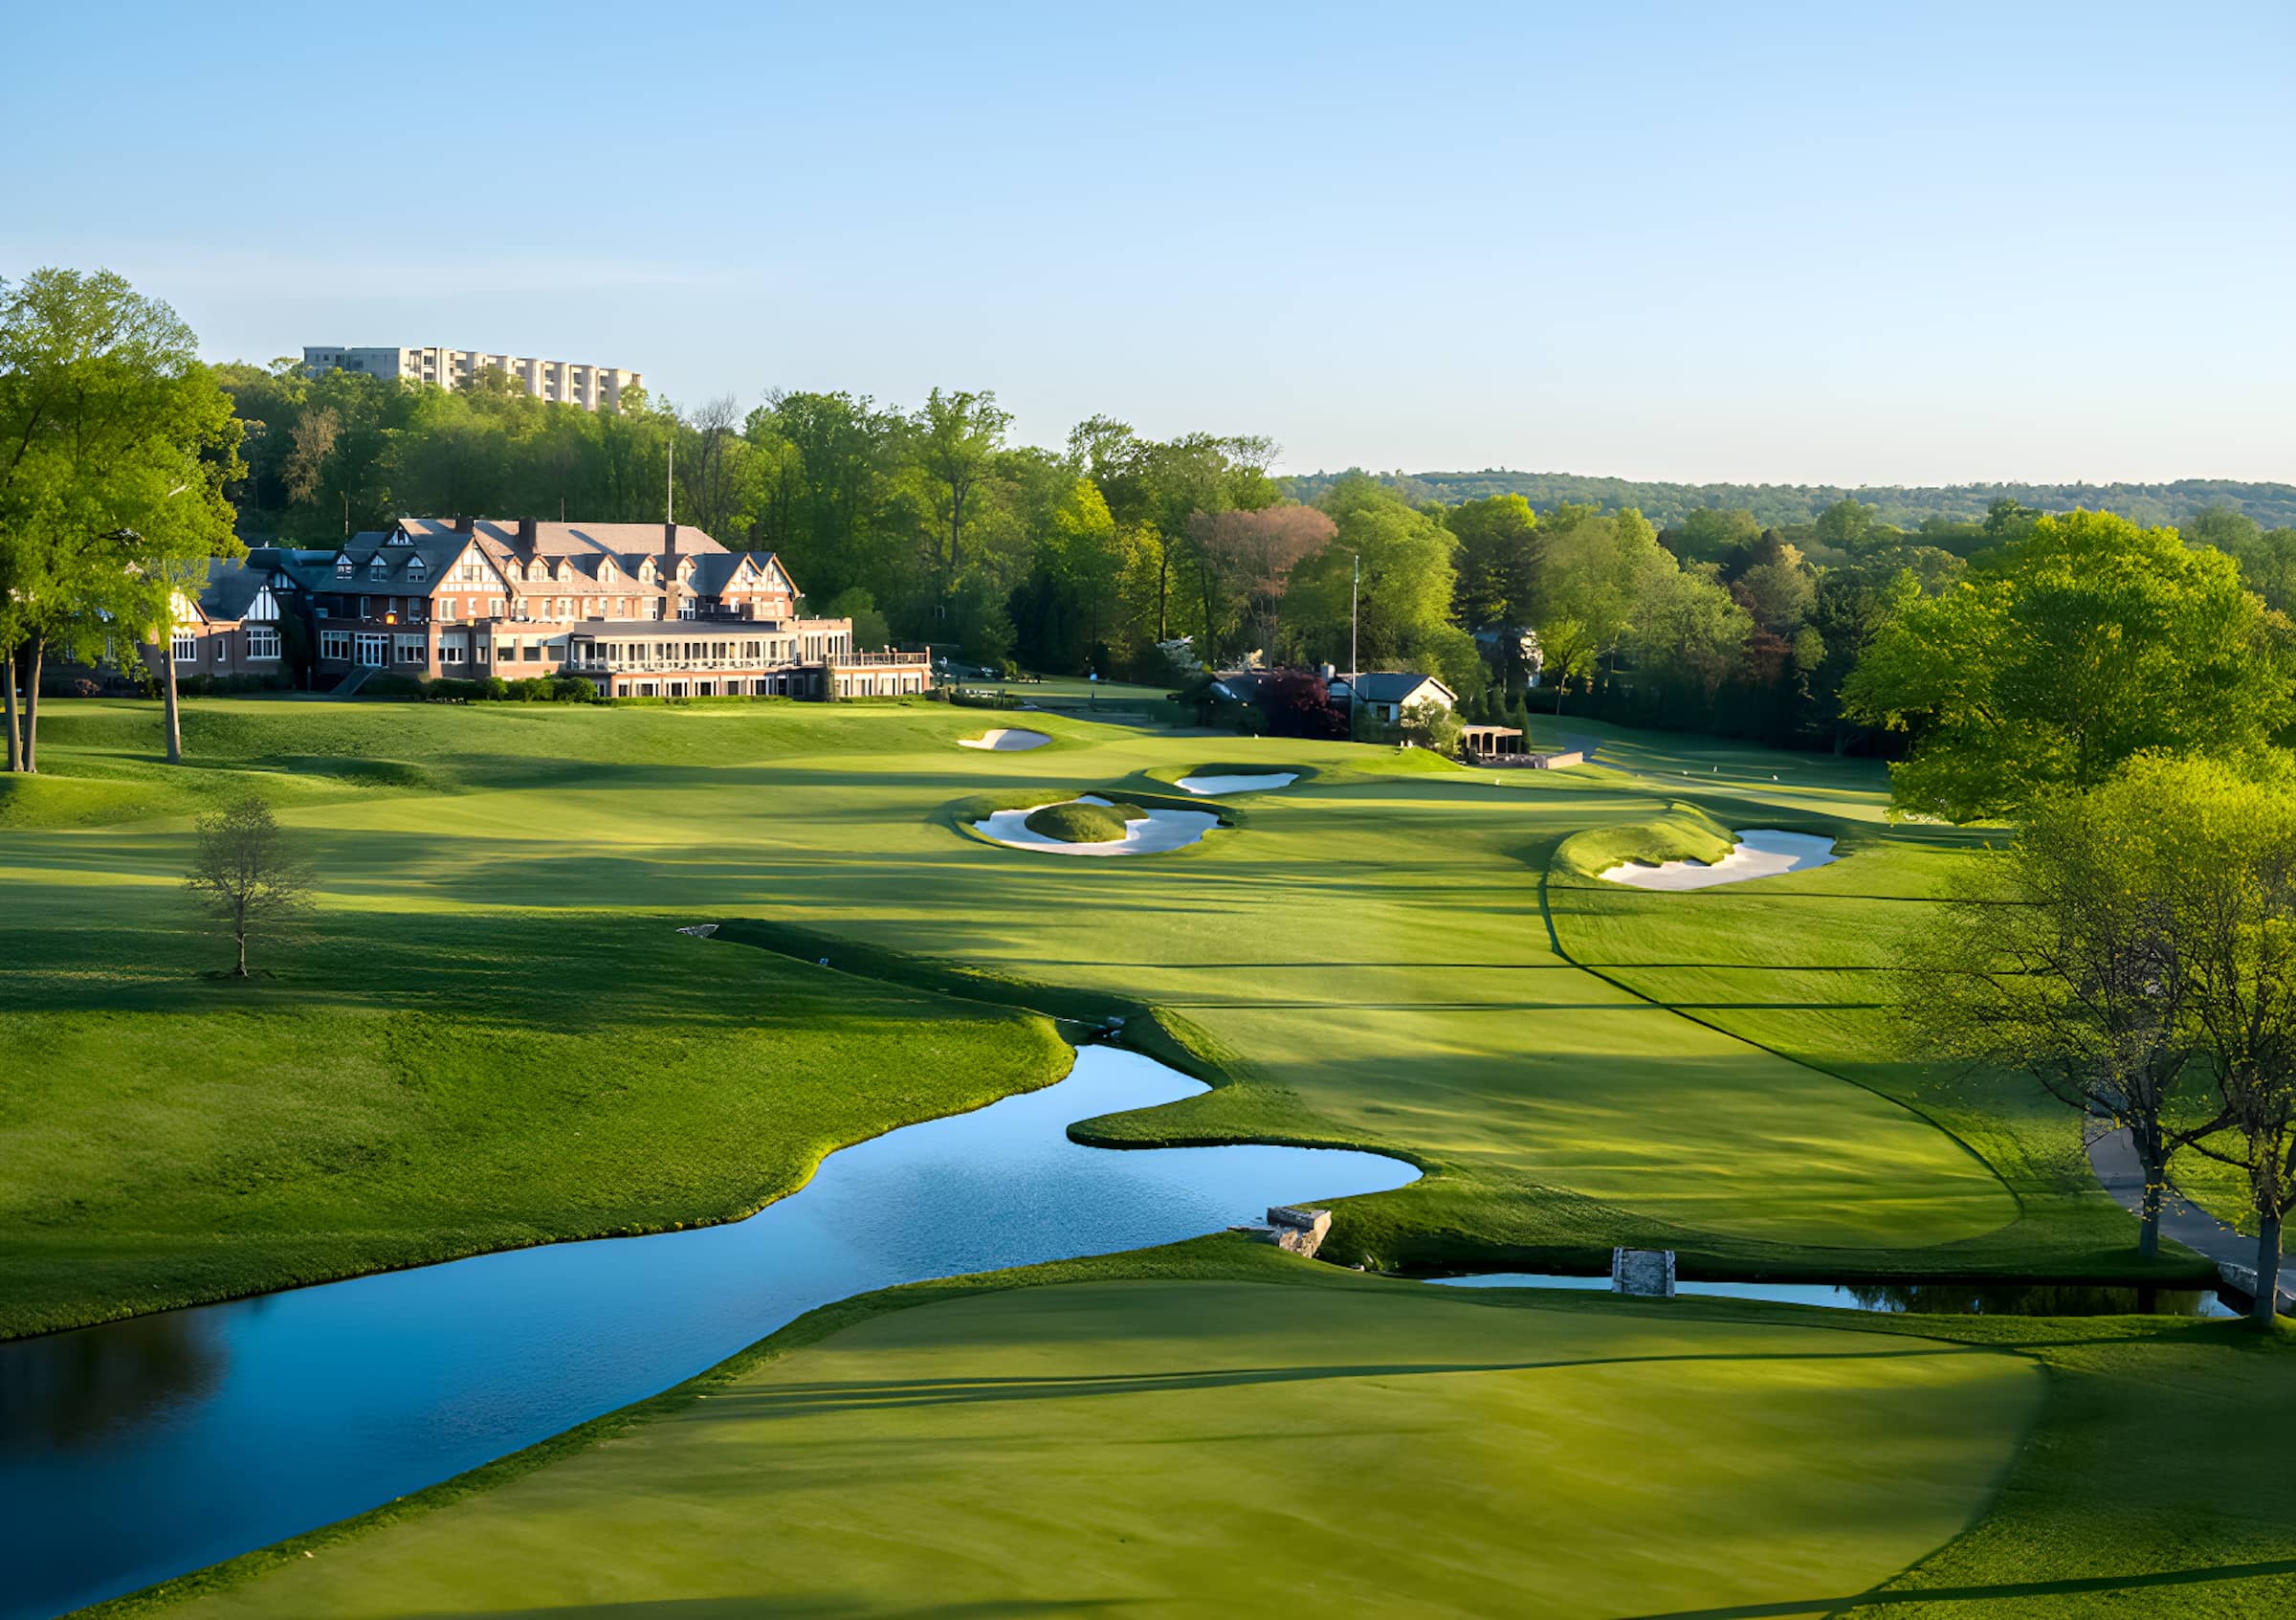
(1387,686)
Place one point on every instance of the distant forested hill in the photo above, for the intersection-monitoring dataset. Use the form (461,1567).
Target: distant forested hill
(1783,505)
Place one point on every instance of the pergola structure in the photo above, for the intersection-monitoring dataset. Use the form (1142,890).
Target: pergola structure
(1484,744)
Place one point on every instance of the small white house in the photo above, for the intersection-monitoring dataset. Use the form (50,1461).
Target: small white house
(1386,695)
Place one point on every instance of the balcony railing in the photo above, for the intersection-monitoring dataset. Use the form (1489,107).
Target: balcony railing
(879,661)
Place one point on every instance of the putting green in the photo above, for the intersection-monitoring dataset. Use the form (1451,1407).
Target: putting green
(1209,1447)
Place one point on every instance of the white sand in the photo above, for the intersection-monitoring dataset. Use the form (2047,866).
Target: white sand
(1157,830)
(1759,854)
(1002,741)
(1239,783)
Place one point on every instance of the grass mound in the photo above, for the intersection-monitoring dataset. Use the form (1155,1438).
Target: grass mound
(1684,833)
(1076,822)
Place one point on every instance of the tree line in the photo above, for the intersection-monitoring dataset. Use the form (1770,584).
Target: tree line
(1785,505)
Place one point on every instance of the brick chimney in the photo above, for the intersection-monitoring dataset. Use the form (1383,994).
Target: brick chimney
(464,525)
(670,538)
(528,529)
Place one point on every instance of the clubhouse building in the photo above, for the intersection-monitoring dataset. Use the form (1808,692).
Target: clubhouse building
(640,610)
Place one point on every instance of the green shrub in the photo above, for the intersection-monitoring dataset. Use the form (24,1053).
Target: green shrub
(1076,822)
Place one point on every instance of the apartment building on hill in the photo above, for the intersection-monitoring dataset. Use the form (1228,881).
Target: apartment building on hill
(640,610)
(593,387)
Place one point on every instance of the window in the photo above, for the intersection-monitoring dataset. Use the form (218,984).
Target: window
(685,607)
(416,608)
(363,608)
(262,641)
(335,644)
(343,568)
(494,606)
(621,607)
(378,568)
(565,607)
(398,537)
(446,610)
(531,652)
(415,568)
(653,608)
(449,652)
(484,647)
(374,651)
(185,646)
(410,649)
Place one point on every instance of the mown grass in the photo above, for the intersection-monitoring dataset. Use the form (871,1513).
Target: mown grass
(1188,1444)
(1376,956)
(1220,1427)
(493,1035)
(401,1087)
(1075,822)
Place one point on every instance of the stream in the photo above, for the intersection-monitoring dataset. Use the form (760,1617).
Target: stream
(142,1450)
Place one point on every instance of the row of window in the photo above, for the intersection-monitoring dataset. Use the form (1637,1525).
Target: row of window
(262,642)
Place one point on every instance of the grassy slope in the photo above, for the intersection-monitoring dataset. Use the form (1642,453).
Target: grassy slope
(1361,979)
(1190,1444)
(420,1079)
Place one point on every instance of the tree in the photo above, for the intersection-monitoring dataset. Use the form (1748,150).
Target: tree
(1296,703)
(957,436)
(1497,560)
(245,876)
(1250,557)
(2061,657)
(1594,574)
(2067,956)
(1430,725)
(1689,631)
(1402,611)
(1712,535)
(2235,895)
(115,448)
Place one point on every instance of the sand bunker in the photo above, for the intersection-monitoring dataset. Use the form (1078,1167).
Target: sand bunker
(1761,853)
(1239,783)
(1156,830)
(1002,741)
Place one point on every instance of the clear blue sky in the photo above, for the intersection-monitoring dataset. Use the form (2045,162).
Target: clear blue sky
(1821,243)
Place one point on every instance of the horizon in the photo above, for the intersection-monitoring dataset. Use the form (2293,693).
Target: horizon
(1786,249)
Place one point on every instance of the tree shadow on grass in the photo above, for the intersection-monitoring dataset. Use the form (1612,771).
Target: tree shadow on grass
(1855,1601)
(799,1400)
(781,1606)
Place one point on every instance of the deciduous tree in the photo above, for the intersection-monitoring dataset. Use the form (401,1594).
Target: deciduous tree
(245,877)
(2067,654)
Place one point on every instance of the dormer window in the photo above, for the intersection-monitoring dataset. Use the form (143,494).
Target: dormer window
(378,568)
(400,537)
(345,567)
(414,568)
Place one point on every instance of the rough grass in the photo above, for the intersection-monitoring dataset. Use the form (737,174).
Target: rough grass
(1075,822)
(401,1087)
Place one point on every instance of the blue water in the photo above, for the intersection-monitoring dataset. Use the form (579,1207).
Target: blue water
(142,1450)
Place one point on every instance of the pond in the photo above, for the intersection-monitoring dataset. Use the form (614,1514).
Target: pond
(143,1448)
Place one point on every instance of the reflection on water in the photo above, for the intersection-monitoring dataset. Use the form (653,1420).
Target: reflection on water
(79,1387)
(2035,1300)
(145,1448)
(1940,1298)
